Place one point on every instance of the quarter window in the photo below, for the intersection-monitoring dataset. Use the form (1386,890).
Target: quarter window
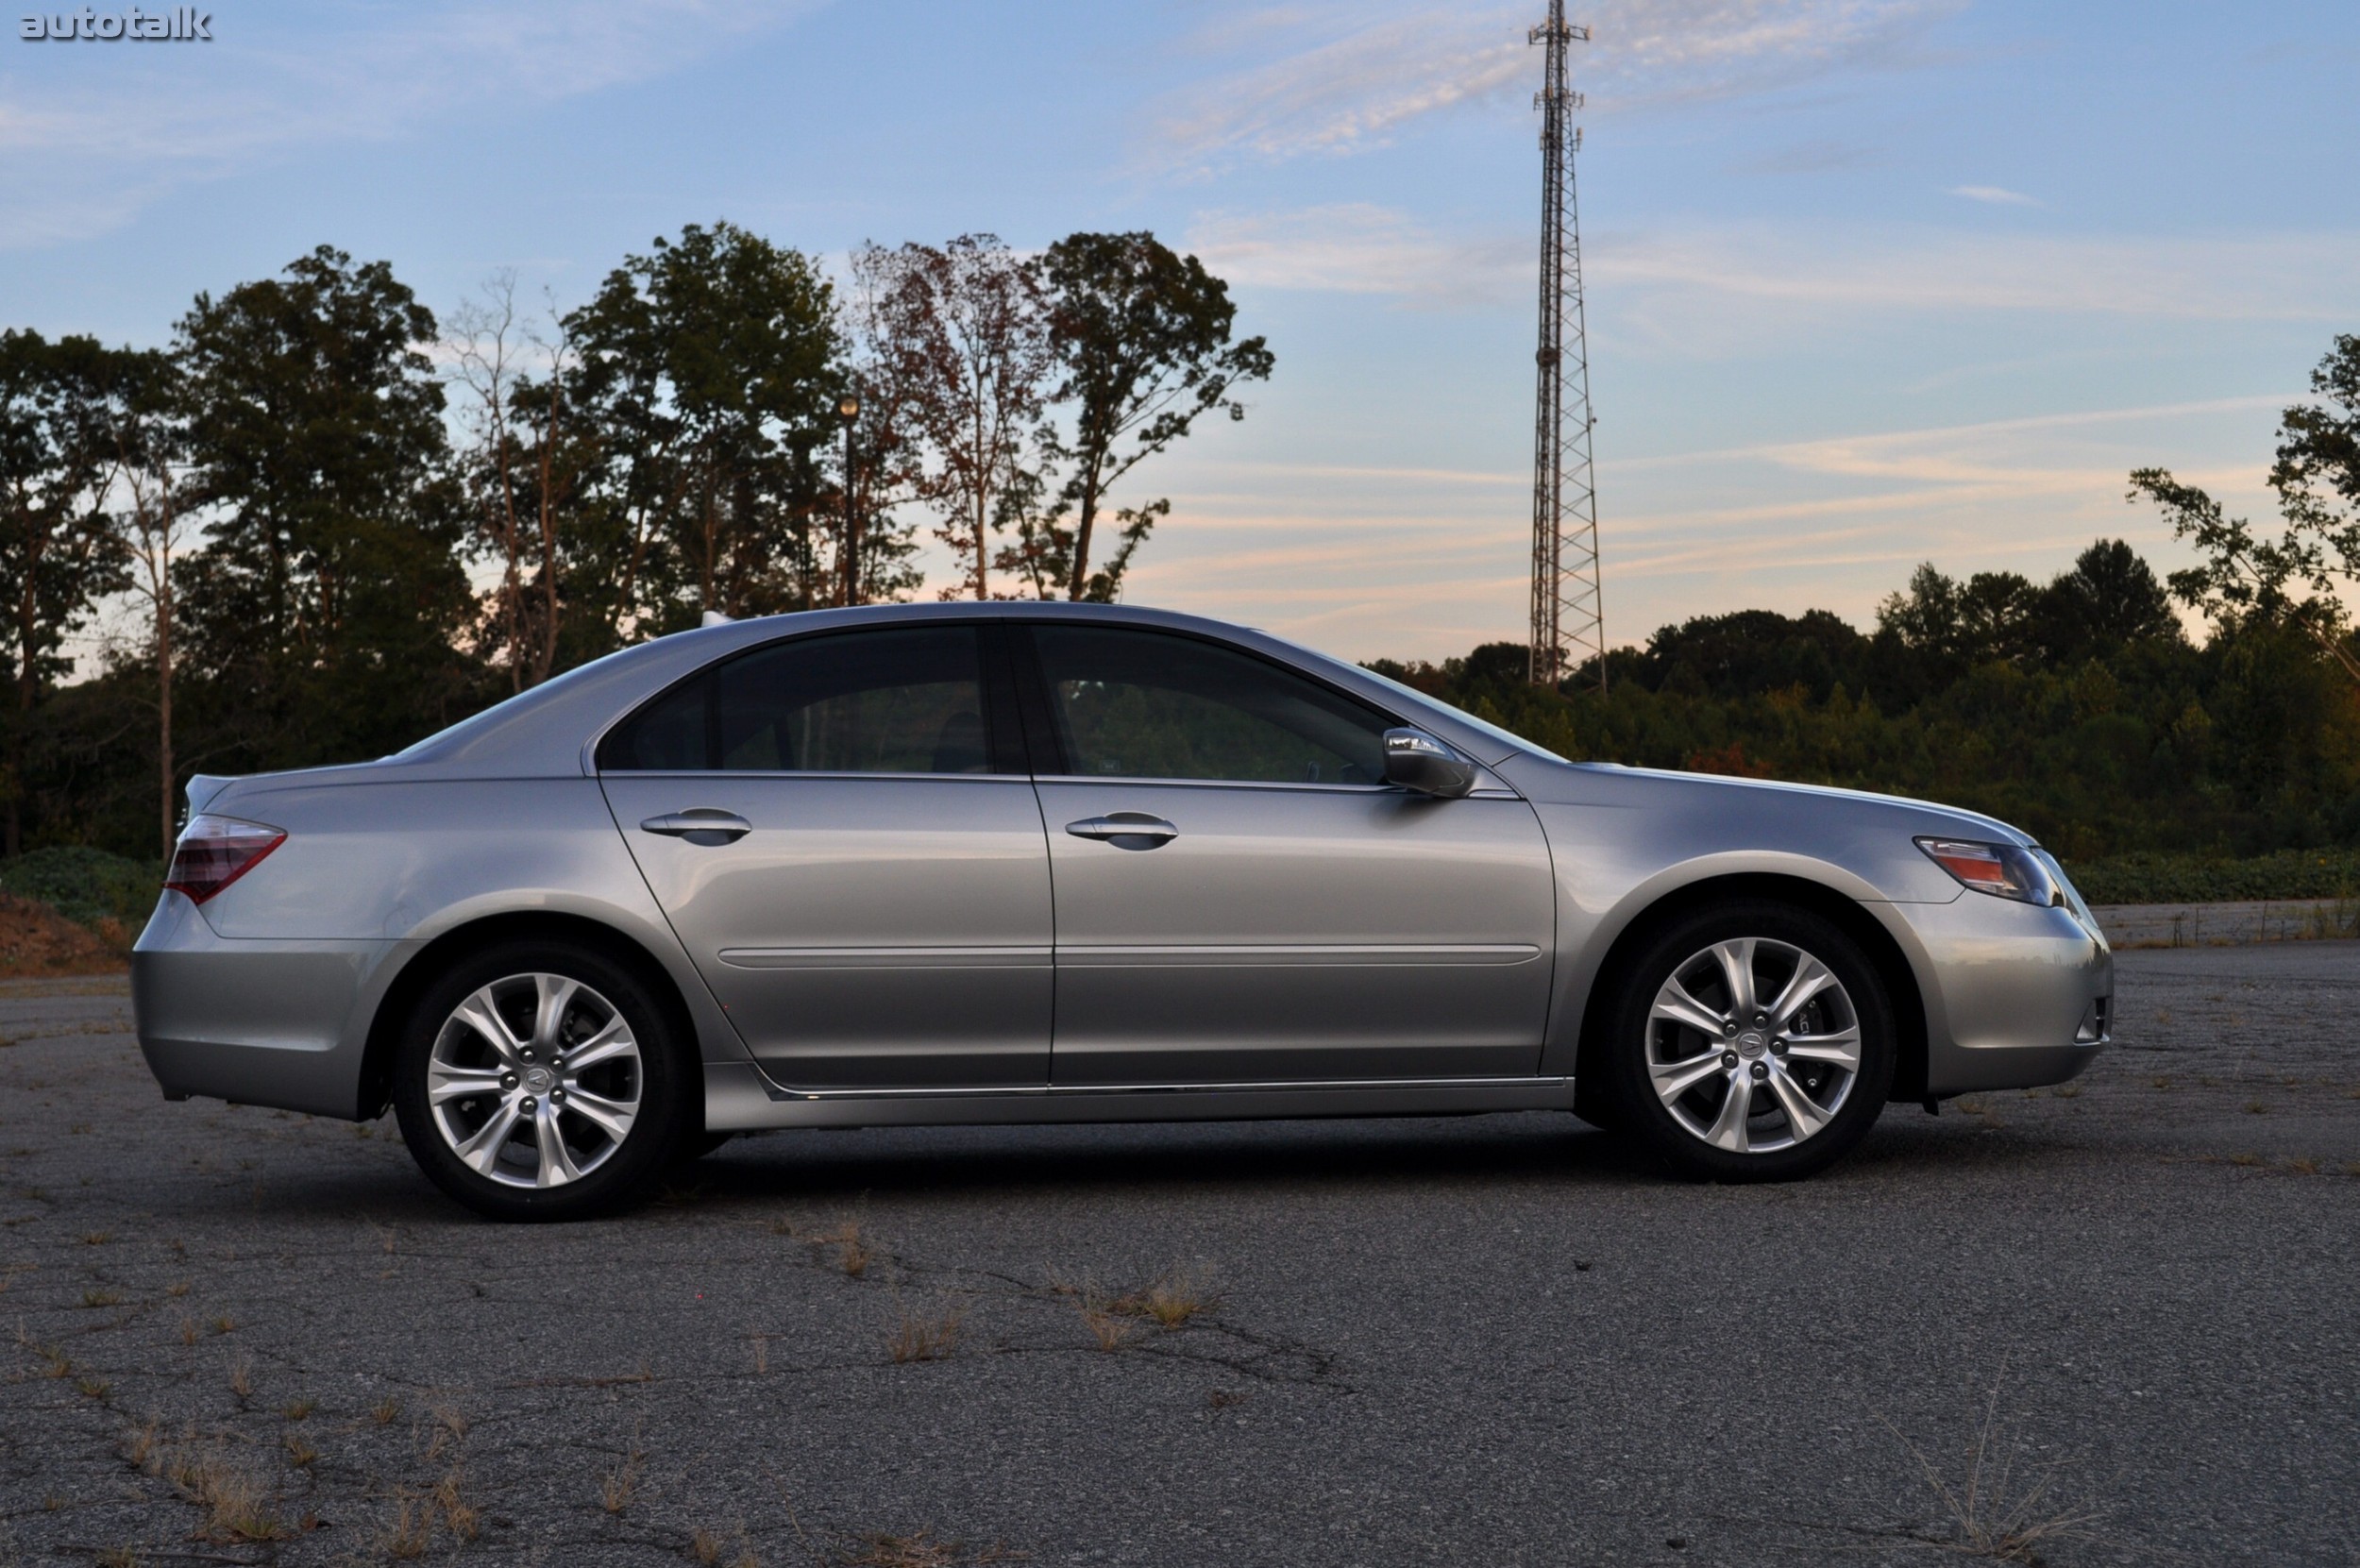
(903,701)
(1147,705)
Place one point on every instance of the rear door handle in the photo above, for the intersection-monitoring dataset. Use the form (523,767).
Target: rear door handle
(1126,830)
(701,825)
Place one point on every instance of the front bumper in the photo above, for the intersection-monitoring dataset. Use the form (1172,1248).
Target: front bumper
(2010,992)
(282,1023)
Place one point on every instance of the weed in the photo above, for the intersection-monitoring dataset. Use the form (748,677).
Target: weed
(620,1481)
(1221,1399)
(762,1353)
(118,1556)
(296,1410)
(1112,1330)
(299,1452)
(1992,1515)
(178,1288)
(2303,1167)
(921,1338)
(224,1323)
(242,1377)
(2068,1091)
(52,1503)
(463,1518)
(2245,1159)
(236,1502)
(102,1298)
(94,1388)
(2255,1107)
(879,1550)
(1180,1294)
(411,1528)
(188,1331)
(2160,1083)
(386,1411)
(853,1252)
(705,1546)
(140,1447)
(97,1238)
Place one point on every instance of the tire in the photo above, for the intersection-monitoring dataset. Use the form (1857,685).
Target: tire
(589,1126)
(1774,1089)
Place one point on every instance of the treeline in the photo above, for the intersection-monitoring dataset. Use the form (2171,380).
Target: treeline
(321,522)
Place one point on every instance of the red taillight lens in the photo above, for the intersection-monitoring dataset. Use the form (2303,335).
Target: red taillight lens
(214,851)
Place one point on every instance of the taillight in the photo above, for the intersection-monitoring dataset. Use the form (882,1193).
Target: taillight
(214,851)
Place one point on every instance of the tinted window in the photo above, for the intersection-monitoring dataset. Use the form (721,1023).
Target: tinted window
(865,703)
(1141,704)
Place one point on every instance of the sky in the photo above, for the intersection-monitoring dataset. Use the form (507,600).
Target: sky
(1871,282)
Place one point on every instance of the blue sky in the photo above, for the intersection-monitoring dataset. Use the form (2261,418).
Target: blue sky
(1873,281)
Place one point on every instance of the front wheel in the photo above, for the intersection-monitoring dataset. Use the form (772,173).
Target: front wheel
(540,1081)
(1752,1042)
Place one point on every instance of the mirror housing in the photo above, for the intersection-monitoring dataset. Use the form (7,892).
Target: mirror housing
(1417,761)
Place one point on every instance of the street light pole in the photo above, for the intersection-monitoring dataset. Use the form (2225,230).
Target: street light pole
(848,410)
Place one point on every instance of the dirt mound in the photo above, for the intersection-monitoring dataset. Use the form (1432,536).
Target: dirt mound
(36,939)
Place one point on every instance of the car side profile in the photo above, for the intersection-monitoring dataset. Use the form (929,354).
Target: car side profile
(1024,863)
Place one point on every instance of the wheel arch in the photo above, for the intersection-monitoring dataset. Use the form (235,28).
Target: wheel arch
(402,992)
(1845,913)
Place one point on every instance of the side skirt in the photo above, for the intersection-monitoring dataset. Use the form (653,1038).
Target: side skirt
(738,1099)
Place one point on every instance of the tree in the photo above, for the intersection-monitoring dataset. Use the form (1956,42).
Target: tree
(1142,337)
(964,328)
(511,469)
(326,600)
(2109,598)
(2290,579)
(55,558)
(710,368)
(146,412)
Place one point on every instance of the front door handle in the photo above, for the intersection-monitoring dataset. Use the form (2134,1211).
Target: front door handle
(701,825)
(1126,830)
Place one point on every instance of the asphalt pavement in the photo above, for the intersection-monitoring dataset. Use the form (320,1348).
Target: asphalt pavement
(238,1336)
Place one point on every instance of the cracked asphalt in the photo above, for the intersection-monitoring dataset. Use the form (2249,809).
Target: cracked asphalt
(238,1336)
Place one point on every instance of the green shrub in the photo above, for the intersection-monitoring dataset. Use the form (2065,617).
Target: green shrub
(85,885)
(2157,878)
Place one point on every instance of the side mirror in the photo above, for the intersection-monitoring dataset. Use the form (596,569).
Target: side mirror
(1415,760)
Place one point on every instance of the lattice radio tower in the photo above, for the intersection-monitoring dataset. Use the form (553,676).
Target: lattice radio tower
(1568,610)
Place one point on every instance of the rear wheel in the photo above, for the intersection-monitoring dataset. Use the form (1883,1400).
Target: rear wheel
(1752,1042)
(541,1081)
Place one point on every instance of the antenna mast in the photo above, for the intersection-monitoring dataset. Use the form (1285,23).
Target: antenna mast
(1568,610)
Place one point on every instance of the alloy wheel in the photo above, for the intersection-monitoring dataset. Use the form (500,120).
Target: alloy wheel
(1753,1045)
(535,1080)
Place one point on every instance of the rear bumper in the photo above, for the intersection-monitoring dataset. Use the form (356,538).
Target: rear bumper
(282,1023)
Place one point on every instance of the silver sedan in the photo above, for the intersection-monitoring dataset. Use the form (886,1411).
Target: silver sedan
(1060,863)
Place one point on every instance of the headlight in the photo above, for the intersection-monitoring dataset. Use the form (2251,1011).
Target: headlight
(2003,871)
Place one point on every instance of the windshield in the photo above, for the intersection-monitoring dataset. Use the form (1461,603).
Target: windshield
(1506,737)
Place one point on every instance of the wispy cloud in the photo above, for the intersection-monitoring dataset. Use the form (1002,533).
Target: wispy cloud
(1353,83)
(87,137)
(1994,196)
(1357,247)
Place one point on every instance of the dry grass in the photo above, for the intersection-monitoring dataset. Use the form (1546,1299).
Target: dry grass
(178,1288)
(2245,1159)
(762,1352)
(921,1550)
(1112,1330)
(298,1409)
(94,1388)
(97,1238)
(1118,1319)
(854,1253)
(299,1452)
(1994,1513)
(386,1411)
(705,1546)
(2303,1167)
(464,1518)
(619,1483)
(188,1331)
(242,1377)
(102,1298)
(924,1337)
(118,1556)
(411,1528)
(236,1501)
(224,1323)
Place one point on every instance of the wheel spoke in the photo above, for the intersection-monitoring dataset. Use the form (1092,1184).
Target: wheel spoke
(1729,1129)
(1803,1115)
(478,1013)
(482,1151)
(608,1043)
(611,1117)
(1810,978)
(446,1083)
(1673,1079)
(1842,1048)
(1675,1003)
(557,1166)
(556,995)
(1736,959)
